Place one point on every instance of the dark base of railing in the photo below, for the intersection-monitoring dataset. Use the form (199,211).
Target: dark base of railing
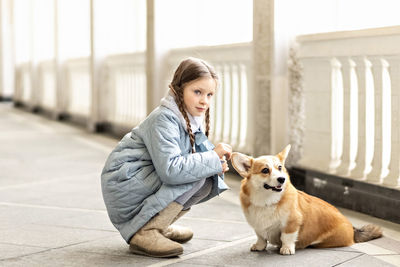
(102,127)
(5,98)
(375,200)
(113,130)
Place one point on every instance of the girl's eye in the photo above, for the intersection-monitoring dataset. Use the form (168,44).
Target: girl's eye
(265,170)
(279,168)
(210,94)
(197,92)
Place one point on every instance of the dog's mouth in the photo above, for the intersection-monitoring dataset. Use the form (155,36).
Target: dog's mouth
(273,188)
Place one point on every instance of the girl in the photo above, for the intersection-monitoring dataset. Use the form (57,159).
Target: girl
(166,165)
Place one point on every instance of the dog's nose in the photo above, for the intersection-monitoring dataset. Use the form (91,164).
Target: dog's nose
(281,180)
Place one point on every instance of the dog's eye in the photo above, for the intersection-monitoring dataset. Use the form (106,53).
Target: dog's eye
(265,170)
(279,168)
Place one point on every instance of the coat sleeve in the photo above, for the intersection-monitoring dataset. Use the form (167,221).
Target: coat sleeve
(162,141)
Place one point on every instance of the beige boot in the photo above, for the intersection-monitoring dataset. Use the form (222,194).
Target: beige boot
(150,241)
(179,233)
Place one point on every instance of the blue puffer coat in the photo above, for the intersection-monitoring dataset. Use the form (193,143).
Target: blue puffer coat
(152,166)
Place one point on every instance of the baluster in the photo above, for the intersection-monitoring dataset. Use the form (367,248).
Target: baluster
(242,107)
(336,114)
(119,93)
(393,177)
(129,82)
(378,66)
(227,103)
(136,94)
(234,106)
(364,86)
(143,94)
(219,105)
(349,86)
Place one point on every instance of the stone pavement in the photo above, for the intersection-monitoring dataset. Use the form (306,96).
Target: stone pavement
(52,212)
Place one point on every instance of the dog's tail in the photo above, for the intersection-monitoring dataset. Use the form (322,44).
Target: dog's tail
(366,233)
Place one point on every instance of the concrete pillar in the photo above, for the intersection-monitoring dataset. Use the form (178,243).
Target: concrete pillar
(6,50)
(151,66)
(260,97)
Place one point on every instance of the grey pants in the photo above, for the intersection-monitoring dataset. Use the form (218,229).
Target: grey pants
(199,191)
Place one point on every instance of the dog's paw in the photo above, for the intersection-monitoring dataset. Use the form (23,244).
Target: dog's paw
(287,250)
(257,247)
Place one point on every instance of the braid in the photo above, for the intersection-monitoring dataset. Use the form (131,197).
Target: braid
(179,101)
(207,122)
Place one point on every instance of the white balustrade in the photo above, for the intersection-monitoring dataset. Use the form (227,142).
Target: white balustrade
(23,90)
(351,86)
(230,112)
(123,92)
(78,86)
(47,84)
(125,79)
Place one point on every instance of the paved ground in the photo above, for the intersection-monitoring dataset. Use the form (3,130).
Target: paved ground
(52,212)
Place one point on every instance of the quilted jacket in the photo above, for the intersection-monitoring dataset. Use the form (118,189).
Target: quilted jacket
(153,165)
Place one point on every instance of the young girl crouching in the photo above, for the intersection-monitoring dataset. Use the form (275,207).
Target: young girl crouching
(165,165)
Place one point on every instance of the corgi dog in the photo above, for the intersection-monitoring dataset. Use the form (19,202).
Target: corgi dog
(286,217)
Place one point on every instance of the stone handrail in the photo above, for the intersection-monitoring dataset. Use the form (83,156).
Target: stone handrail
(351,84)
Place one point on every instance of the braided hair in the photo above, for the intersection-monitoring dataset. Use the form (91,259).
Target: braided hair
(189,70)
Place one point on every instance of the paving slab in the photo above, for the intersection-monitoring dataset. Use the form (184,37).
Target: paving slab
(12,251)
(53,258)
(365,261)
(240,255)
(49,236)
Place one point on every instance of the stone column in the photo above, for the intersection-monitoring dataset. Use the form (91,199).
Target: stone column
(94,69)
(260,96)
(98,109)
(1,51)
(6,50)
(150,55)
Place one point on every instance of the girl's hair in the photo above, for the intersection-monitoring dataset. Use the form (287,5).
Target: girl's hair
(189,70)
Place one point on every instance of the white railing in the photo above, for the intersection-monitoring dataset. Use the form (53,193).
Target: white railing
(78,86)
(125,79)
(23,88)
(351,88)
(123,91)
(231,110)
(47,85)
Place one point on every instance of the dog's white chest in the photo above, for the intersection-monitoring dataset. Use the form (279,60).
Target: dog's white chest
(266,222)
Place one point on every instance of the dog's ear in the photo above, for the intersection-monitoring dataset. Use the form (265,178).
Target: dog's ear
(283,154)
(242,163)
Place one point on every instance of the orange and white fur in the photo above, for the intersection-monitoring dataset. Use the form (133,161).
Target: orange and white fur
(286,217)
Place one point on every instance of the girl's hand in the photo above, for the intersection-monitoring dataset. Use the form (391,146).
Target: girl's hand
(224,164)
(223,150)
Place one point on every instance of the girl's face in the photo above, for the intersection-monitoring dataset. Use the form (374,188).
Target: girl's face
(197,95)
